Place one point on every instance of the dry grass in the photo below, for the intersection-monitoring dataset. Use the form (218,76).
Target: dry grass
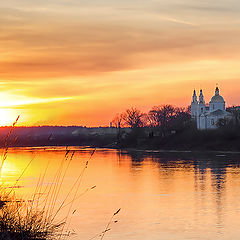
(18,220)
(36,219)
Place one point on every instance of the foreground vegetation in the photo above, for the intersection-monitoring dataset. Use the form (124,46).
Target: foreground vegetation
(36,218)
(20,221)
(43,216)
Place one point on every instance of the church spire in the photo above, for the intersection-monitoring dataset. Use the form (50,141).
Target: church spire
(201,98)
(194,97)
(217,90)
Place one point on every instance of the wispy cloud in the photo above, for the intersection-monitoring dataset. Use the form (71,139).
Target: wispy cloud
(24,102)
(175,20)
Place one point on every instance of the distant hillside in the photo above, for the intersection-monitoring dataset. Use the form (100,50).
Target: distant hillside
(58,135)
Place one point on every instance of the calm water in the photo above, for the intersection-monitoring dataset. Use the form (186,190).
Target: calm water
(168,196)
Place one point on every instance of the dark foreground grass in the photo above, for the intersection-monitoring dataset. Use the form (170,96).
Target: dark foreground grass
(28,219)
(38,217)
(19,222)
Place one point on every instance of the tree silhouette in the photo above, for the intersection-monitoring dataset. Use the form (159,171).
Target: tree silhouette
(161,115)
(133,118)
(118,121)
(235,111)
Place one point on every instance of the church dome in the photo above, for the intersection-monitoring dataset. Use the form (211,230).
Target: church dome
(217,99)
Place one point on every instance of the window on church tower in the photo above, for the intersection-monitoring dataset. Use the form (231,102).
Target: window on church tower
(212,121)
(213,107)
(201,110)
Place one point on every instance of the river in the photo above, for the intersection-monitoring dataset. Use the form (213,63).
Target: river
(162,195)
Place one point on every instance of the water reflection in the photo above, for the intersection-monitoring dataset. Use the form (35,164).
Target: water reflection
(217,167)
(209,175)
(163,195)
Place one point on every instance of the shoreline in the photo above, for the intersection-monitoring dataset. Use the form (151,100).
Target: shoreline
(85,147)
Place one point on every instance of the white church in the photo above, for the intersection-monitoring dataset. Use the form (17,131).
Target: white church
(207,116)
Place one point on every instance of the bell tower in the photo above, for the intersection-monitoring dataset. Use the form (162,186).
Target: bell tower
(202,105)
(194,105)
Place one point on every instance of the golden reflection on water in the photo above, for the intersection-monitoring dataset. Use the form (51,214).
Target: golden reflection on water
(162,195)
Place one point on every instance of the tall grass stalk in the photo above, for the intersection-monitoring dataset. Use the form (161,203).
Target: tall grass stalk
(36,219)
(6,144)
(107,228)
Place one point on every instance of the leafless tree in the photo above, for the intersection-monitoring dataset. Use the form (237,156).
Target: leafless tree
(182,118)
(235,111)
(161,115)
(133,118)
(145,120)
(118,121)
(154,116)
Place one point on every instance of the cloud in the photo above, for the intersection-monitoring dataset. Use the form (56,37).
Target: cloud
(82,40)
(103,56)
(34,101)
(221,6)
(83,49)
(175,20)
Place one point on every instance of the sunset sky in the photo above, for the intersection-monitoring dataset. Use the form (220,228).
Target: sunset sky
(79,62)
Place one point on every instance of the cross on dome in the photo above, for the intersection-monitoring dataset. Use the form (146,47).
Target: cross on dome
(217,90)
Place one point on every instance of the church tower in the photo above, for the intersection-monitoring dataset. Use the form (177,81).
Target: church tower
(202,106)
(201,122)
(194,105)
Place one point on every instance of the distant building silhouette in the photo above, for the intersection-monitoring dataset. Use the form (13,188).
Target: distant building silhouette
(208,116)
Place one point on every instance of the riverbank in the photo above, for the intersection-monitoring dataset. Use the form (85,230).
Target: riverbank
(190,139)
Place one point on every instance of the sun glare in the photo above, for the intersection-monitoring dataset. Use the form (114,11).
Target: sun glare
(8,170)
(7,117)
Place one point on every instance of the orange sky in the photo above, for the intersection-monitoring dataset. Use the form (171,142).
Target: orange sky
(70,62)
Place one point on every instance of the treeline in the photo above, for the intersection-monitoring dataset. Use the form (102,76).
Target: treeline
(163,127)
(162,118)
(146,128)
(169,127)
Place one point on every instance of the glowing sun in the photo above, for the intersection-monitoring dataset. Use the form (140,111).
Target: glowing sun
(7,117)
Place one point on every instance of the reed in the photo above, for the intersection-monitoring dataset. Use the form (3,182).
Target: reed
(38,218)
(19,221)
(107,228)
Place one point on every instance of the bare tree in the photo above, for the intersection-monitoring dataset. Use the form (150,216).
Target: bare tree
(161,115)
(154,116)
(133,118)
(118,121)
(235,111)
(182,118)
(145,120)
